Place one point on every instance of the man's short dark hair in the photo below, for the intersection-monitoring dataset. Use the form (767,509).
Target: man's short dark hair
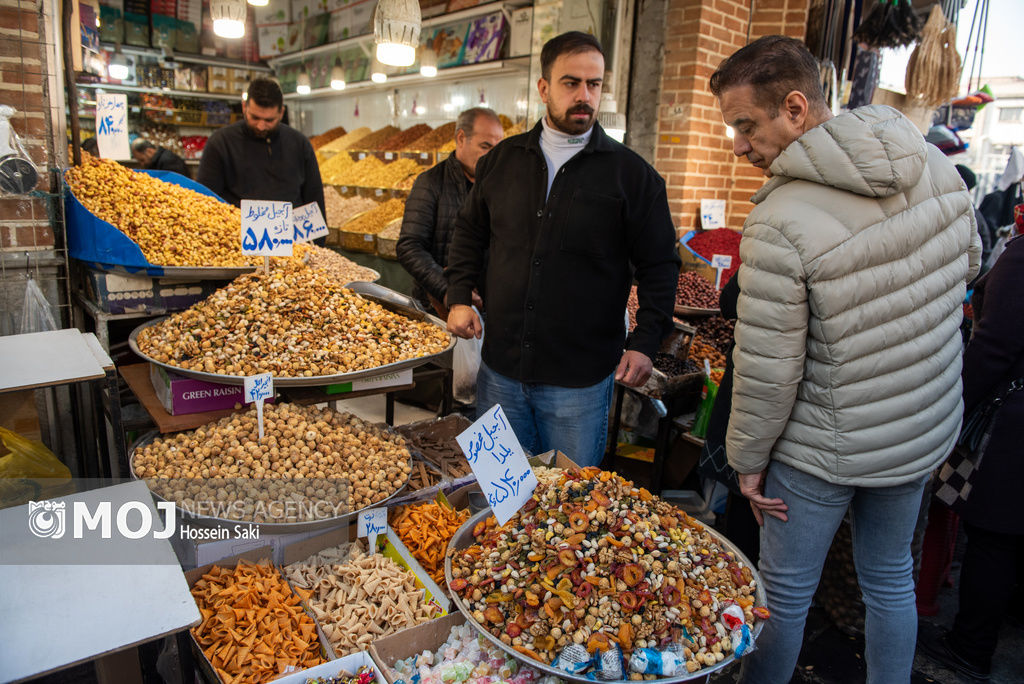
(265,92)
(467,119)
(569,43)
(774,66)
(141,145)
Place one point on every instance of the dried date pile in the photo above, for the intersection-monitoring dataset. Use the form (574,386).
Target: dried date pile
(695,291)
(592,560)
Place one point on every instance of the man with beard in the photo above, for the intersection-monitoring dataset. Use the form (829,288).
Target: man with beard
(558,222)
(260,158)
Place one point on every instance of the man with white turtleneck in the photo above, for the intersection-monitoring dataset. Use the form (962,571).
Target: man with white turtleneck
(559,221)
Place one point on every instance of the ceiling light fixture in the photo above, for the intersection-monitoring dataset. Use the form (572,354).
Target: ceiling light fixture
(428,62)
(337,76)
(118,68)
(259,3)
(303,86)
(228,17)
(377,73)
(396,31)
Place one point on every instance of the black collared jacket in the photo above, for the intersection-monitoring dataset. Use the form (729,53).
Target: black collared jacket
(282,167)
(558,272)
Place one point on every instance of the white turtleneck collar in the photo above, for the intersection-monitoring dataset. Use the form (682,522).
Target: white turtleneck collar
(559,147)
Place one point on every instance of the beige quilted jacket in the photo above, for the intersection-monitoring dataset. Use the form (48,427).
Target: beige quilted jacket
(855,262)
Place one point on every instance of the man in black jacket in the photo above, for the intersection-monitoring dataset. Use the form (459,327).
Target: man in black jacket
(434,202)
(559,219)
(260,158)
(150,156)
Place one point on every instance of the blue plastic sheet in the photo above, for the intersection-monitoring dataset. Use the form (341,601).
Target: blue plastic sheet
(685,239)
(96,242)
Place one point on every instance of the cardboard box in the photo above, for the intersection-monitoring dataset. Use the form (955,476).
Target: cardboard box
(277,12)
(119,293)
(340,25)
(411,642)
(521,32)
(180,395)
(350,663)
(361,19)
(272,41)
(485,38)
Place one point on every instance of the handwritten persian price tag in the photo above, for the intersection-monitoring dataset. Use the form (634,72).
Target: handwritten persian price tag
(267,228)
(309,223)
(712,213)
(112,126)
(498,461)
(372,522)
(258,388)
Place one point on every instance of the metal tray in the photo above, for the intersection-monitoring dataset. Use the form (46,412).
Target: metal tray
(681,310)
(265,528)
(464,538)
(182,272)
(390,300)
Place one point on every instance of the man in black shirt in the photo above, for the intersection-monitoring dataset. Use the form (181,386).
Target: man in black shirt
(150,156)
(260,158)
(559,219)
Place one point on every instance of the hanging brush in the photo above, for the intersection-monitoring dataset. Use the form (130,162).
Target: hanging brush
(933,72)
(889,24)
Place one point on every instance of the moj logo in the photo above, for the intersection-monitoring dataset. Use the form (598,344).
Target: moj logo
(46,519)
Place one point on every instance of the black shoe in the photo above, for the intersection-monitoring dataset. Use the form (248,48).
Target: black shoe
(938,649)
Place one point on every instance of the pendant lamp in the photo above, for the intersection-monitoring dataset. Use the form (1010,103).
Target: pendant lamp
(396,31)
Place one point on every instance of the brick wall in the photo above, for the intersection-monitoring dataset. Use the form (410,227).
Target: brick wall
(25,223)
(693,153)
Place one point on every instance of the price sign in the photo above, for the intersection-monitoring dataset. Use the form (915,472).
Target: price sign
(371,523)
(267,228)
(498,461)
(309,223)
(258,388)
(712,213)
(720,262)
(389,155)
(112,126)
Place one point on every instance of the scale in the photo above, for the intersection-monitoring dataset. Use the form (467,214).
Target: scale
(18,175)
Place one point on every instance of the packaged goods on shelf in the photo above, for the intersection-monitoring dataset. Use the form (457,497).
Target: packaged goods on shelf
(379,136)
(375,220)
(225,471)
(360,600)
(287,330)
(172,225)
(341,209)
(401,140)
(327,136)
(432,141)
(346,141)
(638,597)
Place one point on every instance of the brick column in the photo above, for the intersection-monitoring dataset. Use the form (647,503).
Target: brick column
(693,153)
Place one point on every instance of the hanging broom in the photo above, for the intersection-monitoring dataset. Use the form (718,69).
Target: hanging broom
(890,24)
(933,72)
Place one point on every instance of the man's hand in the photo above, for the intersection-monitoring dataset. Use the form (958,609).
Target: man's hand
(478,301)
(752,487)
(463,322)
(634,369)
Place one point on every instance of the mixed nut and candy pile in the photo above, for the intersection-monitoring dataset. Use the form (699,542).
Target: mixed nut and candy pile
(594,569)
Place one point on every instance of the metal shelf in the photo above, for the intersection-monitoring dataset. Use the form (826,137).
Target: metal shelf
(162,91)
(495,68)
(186,58)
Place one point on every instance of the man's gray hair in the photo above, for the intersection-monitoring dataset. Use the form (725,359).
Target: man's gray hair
(467,119)
(141,145)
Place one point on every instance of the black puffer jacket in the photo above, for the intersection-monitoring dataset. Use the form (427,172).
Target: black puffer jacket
(427,227)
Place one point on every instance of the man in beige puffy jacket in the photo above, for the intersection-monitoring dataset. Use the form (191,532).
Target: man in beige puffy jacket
(847,359)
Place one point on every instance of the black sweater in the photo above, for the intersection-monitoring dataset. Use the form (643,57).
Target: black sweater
(282,167)
(559,271)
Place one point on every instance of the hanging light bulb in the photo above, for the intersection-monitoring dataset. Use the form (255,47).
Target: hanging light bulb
(118,67)
(259,3)
(377,73)
(303,86)
(337,76)
(396,31)
(428,62)
(228,18)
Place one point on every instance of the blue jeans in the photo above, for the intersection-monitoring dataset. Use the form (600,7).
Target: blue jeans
(792,556)
(573,420)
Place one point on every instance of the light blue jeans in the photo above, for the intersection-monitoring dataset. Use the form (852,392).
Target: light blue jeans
(573,420)
(792,556)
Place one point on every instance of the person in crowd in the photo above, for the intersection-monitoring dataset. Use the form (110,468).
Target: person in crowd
(995,530)
(92,146)
(559,219)
(988,237)
(846,388)
(149,156)
(434,202)
(261,158)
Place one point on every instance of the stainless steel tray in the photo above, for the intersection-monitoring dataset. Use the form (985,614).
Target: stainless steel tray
(265,528)
(464,538)
(177,272)
(681,310)
(390,300)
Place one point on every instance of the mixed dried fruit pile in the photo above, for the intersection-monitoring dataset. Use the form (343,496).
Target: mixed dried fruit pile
(592,560)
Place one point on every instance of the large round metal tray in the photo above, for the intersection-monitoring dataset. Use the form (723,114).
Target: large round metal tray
(464,538)
(681,310)
(265,528)
(177,272)
(386,298)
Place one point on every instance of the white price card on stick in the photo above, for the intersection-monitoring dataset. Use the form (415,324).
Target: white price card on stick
(112,126)
(309,223)
(720,262)
(499,463)
(712,214)
(259,388)
(267,228)
(372,522)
